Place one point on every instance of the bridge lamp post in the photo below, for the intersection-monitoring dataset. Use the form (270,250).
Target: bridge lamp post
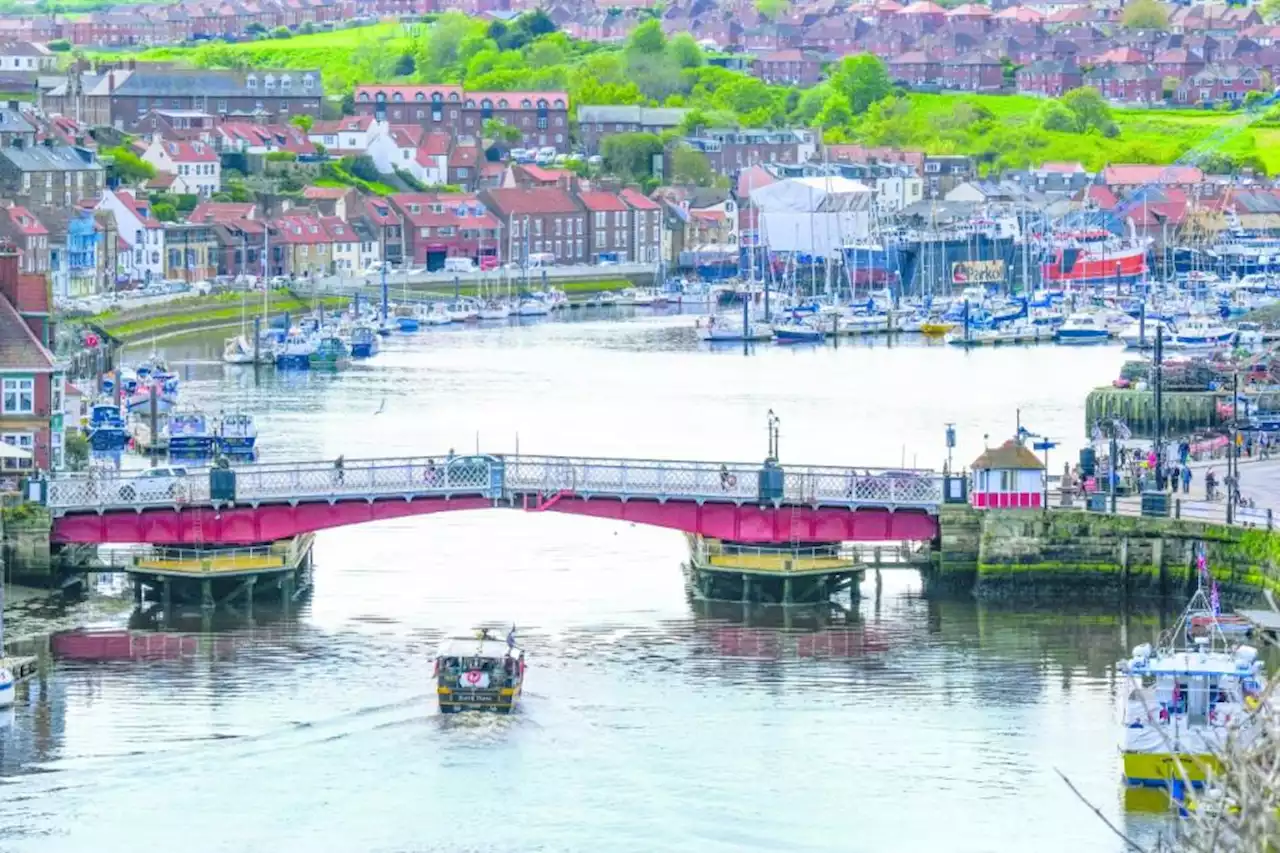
(773,422)
(951,443)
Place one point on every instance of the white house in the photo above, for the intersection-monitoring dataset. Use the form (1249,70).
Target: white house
(894,192)
(1007,477)
(346,246)
(347,135)
(140,230)
(412,149)
(195,166)
(27,56)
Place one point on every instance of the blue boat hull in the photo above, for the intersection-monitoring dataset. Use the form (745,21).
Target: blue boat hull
(362,350)
(293,362)
(407,324)
(237,444)
(1070,337)
(108,438)
(191,445)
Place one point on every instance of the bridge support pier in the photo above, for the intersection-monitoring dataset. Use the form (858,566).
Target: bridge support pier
(769,575)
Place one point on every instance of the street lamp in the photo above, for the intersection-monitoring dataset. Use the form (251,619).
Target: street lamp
(773,423)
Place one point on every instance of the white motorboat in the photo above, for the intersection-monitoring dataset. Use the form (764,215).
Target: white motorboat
(1081,329)
(641,298)
(461,312)
(799,332)
(1249,335)
(719,328)
(7,688)
(437,316)
(237,350)
(1202,331)
(1134,336)
(533,307)
(494,311)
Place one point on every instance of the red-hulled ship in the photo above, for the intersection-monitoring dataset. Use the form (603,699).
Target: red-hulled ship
(1087,258)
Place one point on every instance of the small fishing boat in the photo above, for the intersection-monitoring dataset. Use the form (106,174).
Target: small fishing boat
(1187,696)
(236,433)
(1249,335)
(406,319)
(140,400)
(294,352)
(1202,332)
(936,327)
(106,430)
(330,351)
(462,312)
(364,340)
(1081,329)
(189,434)
(477,672)
(237,350)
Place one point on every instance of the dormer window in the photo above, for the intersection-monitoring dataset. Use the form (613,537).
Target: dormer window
(419,96)
(309,80)
(502,103)
(453,97)
(437,208)
(286,82)
(252,81)
(364,96)
(413,208)
(526,104)
(269,82)
(559,104)
(397,97)
(314,229)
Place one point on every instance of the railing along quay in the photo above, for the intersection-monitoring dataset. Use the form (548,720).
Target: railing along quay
(499,478)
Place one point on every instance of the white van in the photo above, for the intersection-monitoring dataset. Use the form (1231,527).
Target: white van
(459,265)
(541,259)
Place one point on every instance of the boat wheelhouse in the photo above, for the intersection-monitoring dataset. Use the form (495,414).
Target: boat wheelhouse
(295,351)
(330,351)
(1081,329)
(106,429)
(236,433)
(479,673)
(1086,258)
(1186,697)
(189,434)
(364,340)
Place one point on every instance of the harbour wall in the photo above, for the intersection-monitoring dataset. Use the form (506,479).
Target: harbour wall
(1183,412)
(1030,553)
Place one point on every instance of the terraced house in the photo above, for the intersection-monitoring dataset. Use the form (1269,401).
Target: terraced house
(31,385)
(541,117)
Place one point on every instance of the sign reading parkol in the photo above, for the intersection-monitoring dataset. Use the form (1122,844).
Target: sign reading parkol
(977,272)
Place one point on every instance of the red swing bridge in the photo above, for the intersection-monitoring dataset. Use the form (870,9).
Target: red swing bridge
(760,504)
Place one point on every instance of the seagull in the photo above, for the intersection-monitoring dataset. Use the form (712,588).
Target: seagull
(381,406)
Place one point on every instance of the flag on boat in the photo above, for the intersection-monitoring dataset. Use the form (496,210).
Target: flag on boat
(1214,601)
(1202,564)
(511,637)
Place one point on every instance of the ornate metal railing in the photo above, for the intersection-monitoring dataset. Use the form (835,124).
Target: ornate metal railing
(498,478)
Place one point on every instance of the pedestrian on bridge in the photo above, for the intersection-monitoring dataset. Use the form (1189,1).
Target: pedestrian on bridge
(338,469)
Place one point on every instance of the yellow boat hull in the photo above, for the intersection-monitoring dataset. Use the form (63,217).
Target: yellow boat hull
(1160,768)
(936,330)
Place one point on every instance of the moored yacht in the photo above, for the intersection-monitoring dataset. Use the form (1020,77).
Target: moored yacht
(1081,329)
(1202,331)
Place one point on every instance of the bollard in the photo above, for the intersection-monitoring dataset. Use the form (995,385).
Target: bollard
(1177,508)
(1269,527)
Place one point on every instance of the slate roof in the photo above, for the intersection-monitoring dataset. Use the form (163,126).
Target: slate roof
(214,84)
(56,158)
(20,349)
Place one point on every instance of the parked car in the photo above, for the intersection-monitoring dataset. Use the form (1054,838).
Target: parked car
(155,484)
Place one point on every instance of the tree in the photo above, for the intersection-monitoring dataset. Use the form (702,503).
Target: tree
(499,130)
(1268,9)
(1055,116)
(1091,111)
(281,33)
(630,155)
(647,39)
(126,167)
(59,45)
(548,51)
(773,9)
(348,105)
(303,122)
(164,211)
(1253,99)
(863,80)
(835,112)
(76,450)
(684,51)
(691,166)
(405,65)
(1145,15)
(362,167)
(256,28)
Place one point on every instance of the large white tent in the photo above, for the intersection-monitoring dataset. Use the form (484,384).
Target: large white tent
(813,216)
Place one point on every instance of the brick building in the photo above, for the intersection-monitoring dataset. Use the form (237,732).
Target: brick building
(546,220)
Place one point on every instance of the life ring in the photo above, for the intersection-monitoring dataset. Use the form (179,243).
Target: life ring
(731,481)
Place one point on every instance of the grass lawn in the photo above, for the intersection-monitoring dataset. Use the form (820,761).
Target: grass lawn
(210,310)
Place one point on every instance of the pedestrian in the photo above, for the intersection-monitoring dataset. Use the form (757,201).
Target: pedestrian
(1173,478)
(1186,479)
(338,468)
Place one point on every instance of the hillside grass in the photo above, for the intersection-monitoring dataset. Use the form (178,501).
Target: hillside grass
(343,57)
(201,311)
(1146,135)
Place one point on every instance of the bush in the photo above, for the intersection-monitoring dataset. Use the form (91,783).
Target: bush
(280,157)
(362,167)
(59,45)
(281,33)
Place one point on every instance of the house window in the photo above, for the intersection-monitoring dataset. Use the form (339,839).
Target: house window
(23,441)
(19,397)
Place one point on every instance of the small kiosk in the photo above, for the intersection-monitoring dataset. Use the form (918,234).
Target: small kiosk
(1007,477)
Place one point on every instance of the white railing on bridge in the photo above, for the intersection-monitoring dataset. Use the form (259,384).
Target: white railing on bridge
(497,478)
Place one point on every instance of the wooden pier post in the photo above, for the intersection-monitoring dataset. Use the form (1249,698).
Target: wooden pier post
(786,591)
(746,589)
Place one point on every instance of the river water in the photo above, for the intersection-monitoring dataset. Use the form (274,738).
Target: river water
(910,724)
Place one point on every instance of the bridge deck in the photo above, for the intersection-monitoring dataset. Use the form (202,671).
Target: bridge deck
(501,478)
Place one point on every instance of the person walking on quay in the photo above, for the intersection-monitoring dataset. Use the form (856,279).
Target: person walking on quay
(1173,478)
(1186,479)
(1184,452)
(1209,482)
(338,469)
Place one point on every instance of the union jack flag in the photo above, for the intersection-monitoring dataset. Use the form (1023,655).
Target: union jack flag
(1214,601)
(1202,564)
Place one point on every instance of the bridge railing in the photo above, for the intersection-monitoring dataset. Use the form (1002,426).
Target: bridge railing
(715,481)
(498,477)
